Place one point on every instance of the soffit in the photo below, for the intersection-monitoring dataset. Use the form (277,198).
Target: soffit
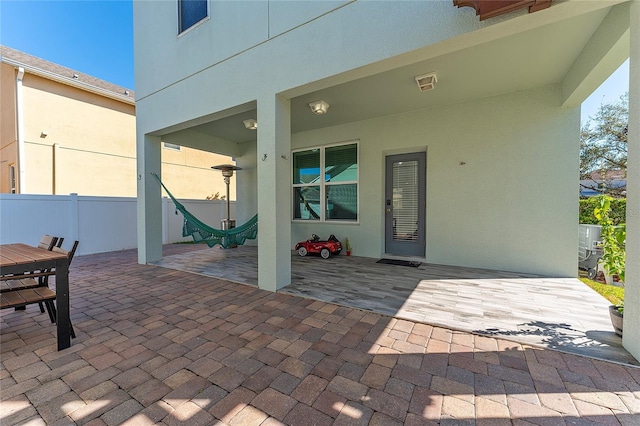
(530,59)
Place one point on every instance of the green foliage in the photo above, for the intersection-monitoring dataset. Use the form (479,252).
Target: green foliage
(603,139)
(613,294)
(216,196)
(613,238)
(347,244)
(617,213)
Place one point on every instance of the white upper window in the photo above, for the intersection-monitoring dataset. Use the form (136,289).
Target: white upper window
(172,146)
(190,12)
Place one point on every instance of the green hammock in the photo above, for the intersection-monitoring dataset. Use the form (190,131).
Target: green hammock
(203,233)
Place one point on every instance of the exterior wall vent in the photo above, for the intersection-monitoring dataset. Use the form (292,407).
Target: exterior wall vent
(426,81)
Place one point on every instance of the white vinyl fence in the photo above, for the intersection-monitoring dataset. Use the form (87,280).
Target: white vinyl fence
(101,224)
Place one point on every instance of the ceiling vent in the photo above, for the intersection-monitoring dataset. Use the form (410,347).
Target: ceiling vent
(426,81)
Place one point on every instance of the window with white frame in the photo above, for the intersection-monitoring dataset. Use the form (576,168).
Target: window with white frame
(331,195)
(190,12)
(12,179)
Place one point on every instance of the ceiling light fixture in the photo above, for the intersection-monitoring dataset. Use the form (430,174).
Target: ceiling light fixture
(319,107)
(426,81)
(251,124)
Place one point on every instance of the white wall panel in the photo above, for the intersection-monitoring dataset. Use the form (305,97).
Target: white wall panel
(25,218)
(101,224)
(106,224)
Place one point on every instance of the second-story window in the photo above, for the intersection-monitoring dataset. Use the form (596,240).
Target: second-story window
(190,12)
(172,146)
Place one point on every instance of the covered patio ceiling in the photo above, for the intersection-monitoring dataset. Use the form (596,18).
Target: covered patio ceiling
(537,57)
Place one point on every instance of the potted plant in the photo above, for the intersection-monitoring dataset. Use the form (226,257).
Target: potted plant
(613,240)
(613,256)
(615,295)
(347,246)
(616,313)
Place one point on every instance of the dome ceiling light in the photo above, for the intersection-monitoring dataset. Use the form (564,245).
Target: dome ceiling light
(319,107)
(251,124)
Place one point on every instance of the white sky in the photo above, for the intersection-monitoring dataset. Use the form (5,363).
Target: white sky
(610,91)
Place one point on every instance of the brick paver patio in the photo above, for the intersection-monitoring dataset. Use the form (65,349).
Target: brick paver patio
(158,346)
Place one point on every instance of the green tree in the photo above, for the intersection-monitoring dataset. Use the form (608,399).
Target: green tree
(603,145)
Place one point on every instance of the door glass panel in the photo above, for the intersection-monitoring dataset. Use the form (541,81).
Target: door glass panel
(405,200)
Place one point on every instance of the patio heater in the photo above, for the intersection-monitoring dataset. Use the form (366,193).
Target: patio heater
(227,173)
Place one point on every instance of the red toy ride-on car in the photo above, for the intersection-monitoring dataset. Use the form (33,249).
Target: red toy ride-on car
(324,248)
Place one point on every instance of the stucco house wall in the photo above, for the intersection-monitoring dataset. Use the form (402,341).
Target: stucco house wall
(8,131)
(477,214)
(80,141)
(88,147)
(170,57)
(177,71)
(484,213)
(500,130)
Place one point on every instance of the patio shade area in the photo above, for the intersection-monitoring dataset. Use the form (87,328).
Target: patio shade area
(161,346)
(557,313)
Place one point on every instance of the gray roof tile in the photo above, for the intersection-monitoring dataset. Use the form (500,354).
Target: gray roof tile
(30,61)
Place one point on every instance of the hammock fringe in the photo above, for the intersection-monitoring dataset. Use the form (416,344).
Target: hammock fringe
(201,232)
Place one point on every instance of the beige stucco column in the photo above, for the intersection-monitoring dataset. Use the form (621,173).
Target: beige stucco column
(274,188)
(149,199)
(631,335)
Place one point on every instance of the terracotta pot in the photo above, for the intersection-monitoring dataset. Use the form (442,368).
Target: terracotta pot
(348,252)
(616,320)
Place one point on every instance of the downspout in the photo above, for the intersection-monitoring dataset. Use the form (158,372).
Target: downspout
(54,169)
(22,186)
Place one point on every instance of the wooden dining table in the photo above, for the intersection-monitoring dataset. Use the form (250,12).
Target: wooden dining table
(21,259)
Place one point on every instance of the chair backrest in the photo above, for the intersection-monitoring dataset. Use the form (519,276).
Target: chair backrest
(69,253)
(60,240)
(47,242)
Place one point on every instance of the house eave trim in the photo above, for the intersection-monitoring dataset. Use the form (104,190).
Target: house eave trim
(69,81)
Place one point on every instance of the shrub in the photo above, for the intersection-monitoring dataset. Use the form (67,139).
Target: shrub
(613,238)
(617,212)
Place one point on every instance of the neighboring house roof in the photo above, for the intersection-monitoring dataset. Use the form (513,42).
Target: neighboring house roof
(64,75)
(589,187)
(609,175)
